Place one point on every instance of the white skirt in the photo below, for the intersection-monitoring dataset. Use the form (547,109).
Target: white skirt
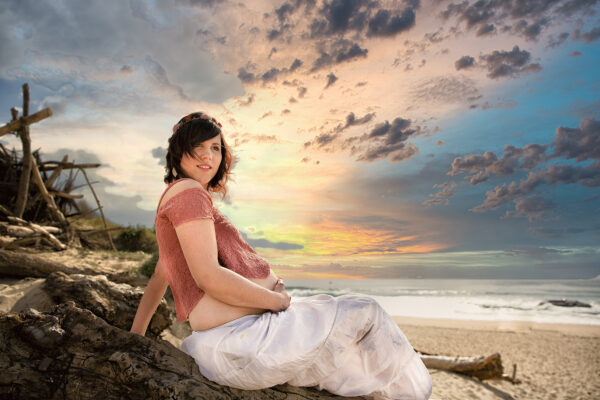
(347,345)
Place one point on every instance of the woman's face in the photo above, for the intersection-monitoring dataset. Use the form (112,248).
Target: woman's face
(206,154)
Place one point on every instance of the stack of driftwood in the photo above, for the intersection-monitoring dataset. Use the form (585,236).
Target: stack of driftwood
(36,201)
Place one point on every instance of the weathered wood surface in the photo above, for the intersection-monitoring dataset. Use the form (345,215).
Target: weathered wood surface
(54,165)
(69,353)
(114,303)
(22,231)
(481,367)
(17,264)
(34,229)
(15,125)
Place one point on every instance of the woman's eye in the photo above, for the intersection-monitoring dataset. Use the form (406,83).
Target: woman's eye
(217,148)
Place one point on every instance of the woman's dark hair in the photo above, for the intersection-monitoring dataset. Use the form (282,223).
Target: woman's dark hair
(189,135)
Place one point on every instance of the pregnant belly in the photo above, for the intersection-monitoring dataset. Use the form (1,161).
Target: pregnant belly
(210,312)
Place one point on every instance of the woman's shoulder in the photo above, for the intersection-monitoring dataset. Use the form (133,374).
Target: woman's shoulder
(178,187)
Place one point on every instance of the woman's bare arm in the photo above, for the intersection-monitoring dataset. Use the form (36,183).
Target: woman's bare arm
(198,242)
(155,290)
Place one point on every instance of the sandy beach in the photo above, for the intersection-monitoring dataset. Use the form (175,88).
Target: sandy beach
(554,361)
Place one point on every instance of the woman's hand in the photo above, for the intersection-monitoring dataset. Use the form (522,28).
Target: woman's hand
(285,297)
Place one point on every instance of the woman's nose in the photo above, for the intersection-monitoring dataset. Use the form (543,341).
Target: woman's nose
(203,153)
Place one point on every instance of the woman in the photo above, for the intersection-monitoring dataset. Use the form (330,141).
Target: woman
(246,332)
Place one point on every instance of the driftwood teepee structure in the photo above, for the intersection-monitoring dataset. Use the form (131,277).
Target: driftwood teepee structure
(36,208)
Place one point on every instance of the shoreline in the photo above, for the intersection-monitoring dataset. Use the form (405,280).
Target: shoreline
(501,326)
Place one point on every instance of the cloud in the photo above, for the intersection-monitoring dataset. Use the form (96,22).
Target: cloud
(555,42)
(587,37)
(527,157)
(271,75)
(248,101)
(341,51)
(116,207)
(264,243)
(384,23)
(441,197)
(331,78)
(160,153)
(79,54)
(533,208)
(524,18)
(383,140)
(538,253)
(351,120)
(581,144)
(502,63)
(444,89)
(464,62)
(505,104)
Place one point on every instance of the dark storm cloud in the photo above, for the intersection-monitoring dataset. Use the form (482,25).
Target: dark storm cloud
(331,79)
(502,63)
(581,144)
(464,62)
(587,37)
(160,153)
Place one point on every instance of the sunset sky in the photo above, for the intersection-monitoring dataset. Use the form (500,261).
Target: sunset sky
(376,139)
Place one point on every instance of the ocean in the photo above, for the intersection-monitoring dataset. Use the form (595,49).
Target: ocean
(469,299)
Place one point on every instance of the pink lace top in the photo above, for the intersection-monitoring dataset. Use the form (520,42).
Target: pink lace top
(233,252)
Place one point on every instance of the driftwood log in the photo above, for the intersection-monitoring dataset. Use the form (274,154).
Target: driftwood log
(69,353)
(17,264)
(114,303)
(489,367)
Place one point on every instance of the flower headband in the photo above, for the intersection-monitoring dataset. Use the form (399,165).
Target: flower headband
(193,116)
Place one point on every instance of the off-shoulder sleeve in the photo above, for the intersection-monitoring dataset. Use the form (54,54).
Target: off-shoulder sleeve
(187,205)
